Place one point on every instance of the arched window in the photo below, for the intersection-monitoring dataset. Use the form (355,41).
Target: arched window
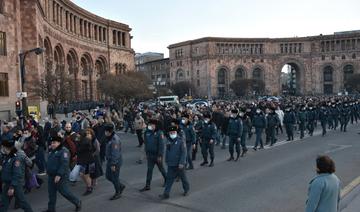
(239,74)
(328,79)
(222,76)
(348,71)
(328,74)
(1,6)
(180,76)
(257,74)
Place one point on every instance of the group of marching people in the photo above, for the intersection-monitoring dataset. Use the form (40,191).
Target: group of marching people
(88,147)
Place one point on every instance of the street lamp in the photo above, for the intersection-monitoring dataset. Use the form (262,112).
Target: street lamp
(22,57)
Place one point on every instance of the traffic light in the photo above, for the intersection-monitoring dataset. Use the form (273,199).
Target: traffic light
(18,108)
(17,105)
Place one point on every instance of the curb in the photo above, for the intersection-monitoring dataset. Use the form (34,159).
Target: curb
(349,193)
(350,187)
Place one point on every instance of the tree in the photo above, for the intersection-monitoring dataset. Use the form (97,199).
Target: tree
(353,83)
(54,87)
(241,87)
(182,88)
(123,87)
(163,91)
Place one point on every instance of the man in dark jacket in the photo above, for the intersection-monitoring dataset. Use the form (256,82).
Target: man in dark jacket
(208,136)
(58,172)
(272,121)
(154,148)
(289,122)
(190,136)
(114,160)
(12,176)
(234,131)
(176,160)
(259,122)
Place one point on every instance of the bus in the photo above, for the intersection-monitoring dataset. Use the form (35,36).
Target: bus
(164,100)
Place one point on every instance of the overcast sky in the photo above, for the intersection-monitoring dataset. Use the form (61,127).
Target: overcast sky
(158,23)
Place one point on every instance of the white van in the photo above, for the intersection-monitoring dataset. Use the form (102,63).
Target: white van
(164,100)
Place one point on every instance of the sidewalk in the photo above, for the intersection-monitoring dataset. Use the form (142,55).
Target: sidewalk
(350,201)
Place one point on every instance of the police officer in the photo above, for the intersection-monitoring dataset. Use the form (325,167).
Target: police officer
(302,119)
(12,176)
(113,160)
(272,121)
(208,137)
(154,149)
(189,131)
(246,123)
(234,131)
(344,116)
(58,171)
(289,122)
(198,125)
(335,113)
(259,122)
(311,118)
(323,117)
(175,160)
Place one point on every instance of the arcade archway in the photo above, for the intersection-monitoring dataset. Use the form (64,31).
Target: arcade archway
(290,79)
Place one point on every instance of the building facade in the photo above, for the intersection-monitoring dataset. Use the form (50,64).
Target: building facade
(158,71)
(321,63)
(76,42)
(146,57)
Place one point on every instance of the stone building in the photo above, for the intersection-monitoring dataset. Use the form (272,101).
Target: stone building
(77,42)
(158,71)
(321,63)
(146,57)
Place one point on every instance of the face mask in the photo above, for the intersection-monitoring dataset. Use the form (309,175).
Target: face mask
(183,121)
(150,127)
(258,111)
(18,145)
(241,114)
(206,121)
(173,136)
(310,108)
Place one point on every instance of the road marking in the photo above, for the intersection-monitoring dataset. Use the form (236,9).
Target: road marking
(338,148)
(345,191)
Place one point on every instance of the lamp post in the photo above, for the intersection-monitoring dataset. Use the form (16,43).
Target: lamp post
(22,57)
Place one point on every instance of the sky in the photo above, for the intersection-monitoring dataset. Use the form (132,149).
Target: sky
(158,23)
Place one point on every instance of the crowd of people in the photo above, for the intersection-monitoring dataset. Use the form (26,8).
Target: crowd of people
(88,146)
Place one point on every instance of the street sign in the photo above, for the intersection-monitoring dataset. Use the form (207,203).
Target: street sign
(21,95)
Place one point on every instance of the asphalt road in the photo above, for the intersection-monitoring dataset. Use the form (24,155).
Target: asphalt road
(275,179)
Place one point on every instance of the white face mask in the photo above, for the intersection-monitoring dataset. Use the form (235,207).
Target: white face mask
(173,136)
(258,111)
(206,121)
(18,145)
(150,127)
(183,121)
